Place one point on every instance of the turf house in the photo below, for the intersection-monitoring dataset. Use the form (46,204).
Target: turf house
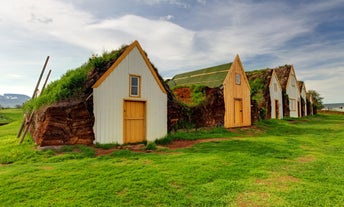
(303,98)
(113,98)
(226,92)
(290,91)
(266,91)
(310,104)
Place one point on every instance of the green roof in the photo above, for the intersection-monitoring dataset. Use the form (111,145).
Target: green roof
(211,77)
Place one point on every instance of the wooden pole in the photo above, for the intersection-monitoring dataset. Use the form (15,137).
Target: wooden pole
(40,77)
(28,122)
(34,94)
(45,82)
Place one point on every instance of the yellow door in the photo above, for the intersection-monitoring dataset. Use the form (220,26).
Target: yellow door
(238,113)
(134,121)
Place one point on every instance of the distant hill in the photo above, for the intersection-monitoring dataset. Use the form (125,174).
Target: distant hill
(9,100)
(334,107)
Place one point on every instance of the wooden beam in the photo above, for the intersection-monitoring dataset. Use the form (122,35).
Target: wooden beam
(33,96)
(28,122)
(26,128)
(40,78)
(45,82)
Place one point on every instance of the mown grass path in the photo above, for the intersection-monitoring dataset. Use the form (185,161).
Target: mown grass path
(277,163)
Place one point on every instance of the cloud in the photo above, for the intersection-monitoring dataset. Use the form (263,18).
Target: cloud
(263,33)
(179,3)
(167,18)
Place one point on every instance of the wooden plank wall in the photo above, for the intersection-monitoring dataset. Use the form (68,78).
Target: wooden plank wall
(233,91)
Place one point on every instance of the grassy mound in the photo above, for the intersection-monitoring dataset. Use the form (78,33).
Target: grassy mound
(72,85)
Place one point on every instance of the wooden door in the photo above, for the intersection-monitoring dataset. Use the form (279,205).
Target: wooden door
(134,121)
(298,109)
(238,112)
(276,109)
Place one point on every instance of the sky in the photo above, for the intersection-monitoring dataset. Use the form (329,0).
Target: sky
(178,36)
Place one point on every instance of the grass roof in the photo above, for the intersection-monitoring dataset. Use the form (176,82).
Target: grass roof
(73,84)
(259,82)
(211,77)
(282,73)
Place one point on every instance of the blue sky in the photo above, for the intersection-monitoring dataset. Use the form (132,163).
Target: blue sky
(177,35)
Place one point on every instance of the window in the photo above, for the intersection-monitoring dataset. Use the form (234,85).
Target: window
(292,104)
(275,87)
(292,81)
(134,85)
(237,79)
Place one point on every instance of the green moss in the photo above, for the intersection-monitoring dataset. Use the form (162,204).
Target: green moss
(198,94)
(257,89)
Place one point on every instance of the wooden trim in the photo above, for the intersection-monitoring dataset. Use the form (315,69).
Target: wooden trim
(121,58)
(149,64)
(139,85)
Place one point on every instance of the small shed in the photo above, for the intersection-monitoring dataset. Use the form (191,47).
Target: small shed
(232,80)
(267,91)
(303,98)
(290,89)
(130,100)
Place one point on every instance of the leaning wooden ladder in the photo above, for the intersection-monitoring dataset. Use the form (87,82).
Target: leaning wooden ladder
(28,119)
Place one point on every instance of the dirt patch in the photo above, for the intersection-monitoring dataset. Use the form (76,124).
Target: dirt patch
(189,143)
(46,167)
(279,182)
(306,159)
(276,182)
(253,199)
(102,152)
(249,130)
(177,144)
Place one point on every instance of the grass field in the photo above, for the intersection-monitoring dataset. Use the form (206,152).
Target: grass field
(295,162)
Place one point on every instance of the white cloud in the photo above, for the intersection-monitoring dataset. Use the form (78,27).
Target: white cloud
(167,17)
(179,3)
(246,28)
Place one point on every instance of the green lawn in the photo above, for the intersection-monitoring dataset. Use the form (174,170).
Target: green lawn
(279,163)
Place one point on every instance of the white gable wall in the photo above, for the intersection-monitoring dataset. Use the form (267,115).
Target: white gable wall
(304,96)
(276,95)
(110,95)
(293,94)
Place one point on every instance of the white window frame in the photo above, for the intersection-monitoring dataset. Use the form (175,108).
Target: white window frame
(237,78)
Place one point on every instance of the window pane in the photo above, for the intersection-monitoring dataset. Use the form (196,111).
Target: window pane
(134,91)
(237,79)
(134,81)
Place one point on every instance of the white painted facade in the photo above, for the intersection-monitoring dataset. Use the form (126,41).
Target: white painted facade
(293,93)
(110,94)
(276,94)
